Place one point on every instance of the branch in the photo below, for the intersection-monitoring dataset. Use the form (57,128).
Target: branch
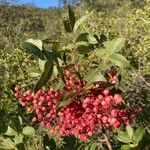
(107,141)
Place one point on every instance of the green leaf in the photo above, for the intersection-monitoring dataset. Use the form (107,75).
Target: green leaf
(56,47)
(49,144)
(10,131)
(81,21)
(119,61)
(17,123)
(18,139)
(28,131)
(33,71)
(50,55)
(82,37)
(50,41)
(20,146)
(125,147)
(59,85)
(92,39)
(123,137)
(68,48)
(114,45)
(69,24)
(34,47)
(60,71)
(71,17)
(82,43)
(47,73)
(92,146)
(37,43)
(7,144)
(101,53)
(65,103)
(130,131)
(94,75)
(138,135)
(41,64)
(85,49)
(67,98)
(87,147)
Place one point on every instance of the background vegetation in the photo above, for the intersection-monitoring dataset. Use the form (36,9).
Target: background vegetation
(113,18)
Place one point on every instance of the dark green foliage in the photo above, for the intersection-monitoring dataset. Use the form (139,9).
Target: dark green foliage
(111,19)
(47,73)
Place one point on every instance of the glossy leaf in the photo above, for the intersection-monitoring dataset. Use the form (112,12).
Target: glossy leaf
(92,39)
(34,48)
(94,75)
(119,61)
(125,147)
(10,131)
(36,42)
(100,53)
(138,135)
(82,37)
(47,73)
(130,131)
(28,131)
(123,137)
(85,49)
(115,45)
(18,139)
(81,21)
(7,144)
(51,41)
(50,55)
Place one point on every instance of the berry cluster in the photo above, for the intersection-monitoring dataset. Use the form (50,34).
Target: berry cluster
(87,114)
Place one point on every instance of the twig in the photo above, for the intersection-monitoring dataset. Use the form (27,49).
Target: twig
(107,141)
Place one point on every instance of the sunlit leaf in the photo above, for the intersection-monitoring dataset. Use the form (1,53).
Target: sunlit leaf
(94,75)
(92,146)
(119,61)
(92,39)
(10,131)
(123,137)
(138,135)
(18,139)
(115,45)
(34,47)
(7,144)
(130,131)
(28,131)
(125,147)
(81,21)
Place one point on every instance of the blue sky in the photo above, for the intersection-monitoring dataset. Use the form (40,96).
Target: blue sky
(41,3)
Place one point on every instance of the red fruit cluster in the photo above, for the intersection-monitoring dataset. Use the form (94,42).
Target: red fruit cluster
(86,115)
